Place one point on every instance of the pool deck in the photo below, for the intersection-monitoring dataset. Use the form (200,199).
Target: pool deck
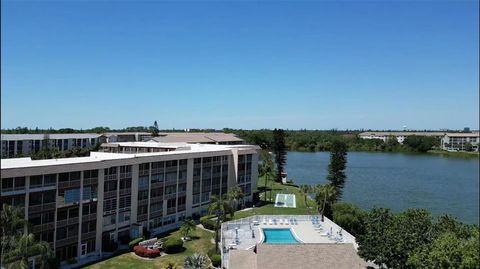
(303,229)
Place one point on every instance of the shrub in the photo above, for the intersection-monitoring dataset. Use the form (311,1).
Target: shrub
(135,242)
(173,245)
(145,252)
(216,260)
(349,217)
(208,222)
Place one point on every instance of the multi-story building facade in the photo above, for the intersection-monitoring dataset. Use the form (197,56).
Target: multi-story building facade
(400,136)
(18,145)
(461,141)
(82,205)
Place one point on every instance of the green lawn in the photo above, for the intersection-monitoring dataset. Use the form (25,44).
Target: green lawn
(201,243)
(268,208)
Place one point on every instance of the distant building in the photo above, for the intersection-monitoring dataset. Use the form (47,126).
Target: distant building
(400,136)
(460,141)
(20,145)
(127,136)
(200,138)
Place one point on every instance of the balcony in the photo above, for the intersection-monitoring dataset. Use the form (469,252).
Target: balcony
(67,241)
(40,208)
(66,222)
(156,199)
(43,227)
(111,177)
(125,191)
(143,202)
(156,185)
(90,181)
(157,171)
(69,184)
(170,196)
(183,193)
(181,208)
(88,235)
(142,217)
(89,217)
(171,210)
(156,214)
(144,172)
(126,175)
(109,194)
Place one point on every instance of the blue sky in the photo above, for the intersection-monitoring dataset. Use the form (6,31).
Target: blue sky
(240,64)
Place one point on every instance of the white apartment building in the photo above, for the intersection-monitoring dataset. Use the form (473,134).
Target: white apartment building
(459,141)
(400,136)
(82,206)
(14,145)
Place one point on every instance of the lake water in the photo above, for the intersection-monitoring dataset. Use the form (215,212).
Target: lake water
(399,181)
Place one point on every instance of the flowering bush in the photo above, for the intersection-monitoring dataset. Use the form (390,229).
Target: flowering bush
(145,252)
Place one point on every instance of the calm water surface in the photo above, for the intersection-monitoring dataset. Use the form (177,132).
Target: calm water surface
(399,181)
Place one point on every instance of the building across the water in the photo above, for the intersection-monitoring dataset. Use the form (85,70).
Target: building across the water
(461,141)
(14,145)
(400,136)
(84,206)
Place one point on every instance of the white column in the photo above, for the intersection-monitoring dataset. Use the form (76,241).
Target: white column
(100,189)
(134,194)
(189,191)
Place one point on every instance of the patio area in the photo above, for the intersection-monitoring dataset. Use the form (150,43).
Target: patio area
(244,234)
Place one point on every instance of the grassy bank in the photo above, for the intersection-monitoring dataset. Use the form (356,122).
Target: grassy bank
(460,154)
(267,206)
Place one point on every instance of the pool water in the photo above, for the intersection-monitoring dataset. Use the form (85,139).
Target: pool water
(279,236)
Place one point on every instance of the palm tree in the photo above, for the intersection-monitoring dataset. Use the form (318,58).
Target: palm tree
(187,226)
(325,196)
(25,248)
(196,261)
(266,169)
(235,194)
(220,207)
(11,222)
(305,189)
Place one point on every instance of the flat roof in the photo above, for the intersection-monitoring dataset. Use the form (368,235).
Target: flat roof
(197,137)
(148,144)
(50,136)
(319,256)
(474,134)
(126,133)
(242,259)
(13,163)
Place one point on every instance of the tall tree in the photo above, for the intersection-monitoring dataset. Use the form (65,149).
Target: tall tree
(11,224)
(220,207)
(155,129)
(27,247)
(336,168)
(280,150)
(325,197)
(305,189)
(266,168)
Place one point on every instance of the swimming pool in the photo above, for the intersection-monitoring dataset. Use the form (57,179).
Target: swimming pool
(279,236)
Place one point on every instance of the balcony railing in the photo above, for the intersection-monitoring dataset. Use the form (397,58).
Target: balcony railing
(156,214)
(143,202)
(181,208)
(89,217)
(110,194)
(125,191)
(40,208)
(144,172)
(43,227)
(156,184)
(156,199)
(90,181)
(142,217)
(157,171)
(89,235)
(111,177)
(171,210)
(66,222)
(170,196)
(67,241)
(69,184)
(125,175)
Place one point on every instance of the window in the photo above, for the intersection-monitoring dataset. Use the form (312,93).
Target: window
(90,174)
(74,176)
(36,181)
(125,183)
(197,160)
(142,209)
(183,162)
(63,177)
(7,183)
(144,166)
(50,180)
(170,189)
(143,195)
(110,185)
(182,187)
(171,176)
(156,207)
(157,192)
(72,196)
(109,220)
(123,216)
(111,171)
(89,226)
(172,163)
(196,198)
(157,178)
(126,169)
(143,181)
(109,205)
(196,172)
(125,202)
(171,203)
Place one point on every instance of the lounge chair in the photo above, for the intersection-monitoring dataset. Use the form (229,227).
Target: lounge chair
(281,221)
(286,221)
(264,221)
(270,222)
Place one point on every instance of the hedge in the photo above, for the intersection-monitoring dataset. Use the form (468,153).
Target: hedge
(216,260)
(208,222)
(145,252)
(173,245)
(135,242)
